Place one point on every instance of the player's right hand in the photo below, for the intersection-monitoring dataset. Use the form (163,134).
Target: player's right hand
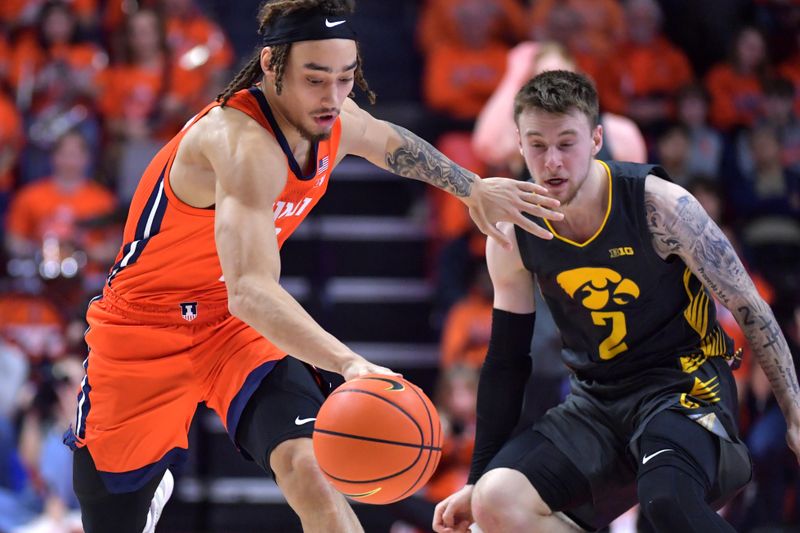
(454,513)
(359,366)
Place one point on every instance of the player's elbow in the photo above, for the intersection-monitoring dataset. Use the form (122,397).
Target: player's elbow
(239,296)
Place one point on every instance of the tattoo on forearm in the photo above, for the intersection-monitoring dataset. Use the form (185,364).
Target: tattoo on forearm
(686,230)
(417,159)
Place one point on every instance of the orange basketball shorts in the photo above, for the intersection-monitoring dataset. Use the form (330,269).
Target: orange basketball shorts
(147,369)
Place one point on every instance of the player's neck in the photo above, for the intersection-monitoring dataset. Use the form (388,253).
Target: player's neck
(584,214)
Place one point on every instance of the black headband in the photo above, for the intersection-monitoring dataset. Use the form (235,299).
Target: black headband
(307,25)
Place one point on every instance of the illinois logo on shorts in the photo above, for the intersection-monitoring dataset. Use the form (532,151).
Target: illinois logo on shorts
(188,310)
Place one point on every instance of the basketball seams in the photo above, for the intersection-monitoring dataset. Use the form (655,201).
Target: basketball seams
(378,396)
(414,487)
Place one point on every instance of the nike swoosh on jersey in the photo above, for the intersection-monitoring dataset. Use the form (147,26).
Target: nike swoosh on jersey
(300,421)
(330,24)
(648,457)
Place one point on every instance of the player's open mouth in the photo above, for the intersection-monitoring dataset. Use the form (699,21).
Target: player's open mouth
(325,120)
(555,182)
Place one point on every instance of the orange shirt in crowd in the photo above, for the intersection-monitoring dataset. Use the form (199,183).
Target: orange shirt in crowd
(735,98)
(11,140)
(132,92)
(116,11)
(41,208)
(466,332)
(657,69)
(28,59)
(453,469)
(33,323)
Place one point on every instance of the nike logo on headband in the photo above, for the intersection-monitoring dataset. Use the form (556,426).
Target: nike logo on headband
(333,24)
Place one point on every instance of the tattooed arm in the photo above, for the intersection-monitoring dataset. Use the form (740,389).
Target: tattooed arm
(401,152)
(680,226)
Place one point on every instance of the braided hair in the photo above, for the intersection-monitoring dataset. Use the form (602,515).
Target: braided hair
(270,10)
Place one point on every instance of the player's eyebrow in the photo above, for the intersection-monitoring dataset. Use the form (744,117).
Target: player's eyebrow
(315,66)
(534,133)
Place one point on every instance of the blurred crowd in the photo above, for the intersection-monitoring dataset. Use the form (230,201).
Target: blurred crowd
(91,89)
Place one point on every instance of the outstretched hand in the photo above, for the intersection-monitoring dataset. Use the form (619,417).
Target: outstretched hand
(496,200)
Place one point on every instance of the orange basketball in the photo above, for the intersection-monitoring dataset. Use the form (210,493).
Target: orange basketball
(378,439)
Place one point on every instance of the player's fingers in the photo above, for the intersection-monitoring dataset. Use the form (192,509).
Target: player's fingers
(487,228)
(541,211)
(529,186)
(438,518)
(532,227)
(539,199)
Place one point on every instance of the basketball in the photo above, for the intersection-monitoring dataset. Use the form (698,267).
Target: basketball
(378,439)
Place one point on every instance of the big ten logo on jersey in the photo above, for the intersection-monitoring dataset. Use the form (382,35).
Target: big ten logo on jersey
(605,293)
(619,252)
(288,209)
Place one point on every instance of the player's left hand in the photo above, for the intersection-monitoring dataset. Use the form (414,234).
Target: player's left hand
(496,200)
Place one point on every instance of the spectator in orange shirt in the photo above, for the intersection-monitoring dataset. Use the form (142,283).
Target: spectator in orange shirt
(54,73)
(198,47)
(655,68)
(465,336)
(143,98)
(736,85)
(465,43)
(44,217)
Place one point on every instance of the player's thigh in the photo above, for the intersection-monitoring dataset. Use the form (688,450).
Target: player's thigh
(552,476)
(282,408)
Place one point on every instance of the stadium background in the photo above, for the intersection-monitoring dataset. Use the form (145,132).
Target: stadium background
(89,89)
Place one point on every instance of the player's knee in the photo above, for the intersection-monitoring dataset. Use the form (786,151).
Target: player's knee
(660,502)
(503,499)
(294,459)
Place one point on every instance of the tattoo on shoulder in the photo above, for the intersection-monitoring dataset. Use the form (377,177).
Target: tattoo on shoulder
(417,159)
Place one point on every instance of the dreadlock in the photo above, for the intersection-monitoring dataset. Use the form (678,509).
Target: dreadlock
(270,10)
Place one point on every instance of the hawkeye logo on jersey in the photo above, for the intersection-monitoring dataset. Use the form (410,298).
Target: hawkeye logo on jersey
(188,310)
(619,252)
(603,292)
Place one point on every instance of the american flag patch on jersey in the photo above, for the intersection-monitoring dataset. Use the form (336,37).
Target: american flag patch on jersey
(323,164)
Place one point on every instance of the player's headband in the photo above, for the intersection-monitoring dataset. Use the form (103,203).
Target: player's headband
(307,25)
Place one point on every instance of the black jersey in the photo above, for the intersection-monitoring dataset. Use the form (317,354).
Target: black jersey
(622,309)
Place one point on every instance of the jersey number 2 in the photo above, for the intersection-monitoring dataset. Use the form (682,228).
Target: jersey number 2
(614,344)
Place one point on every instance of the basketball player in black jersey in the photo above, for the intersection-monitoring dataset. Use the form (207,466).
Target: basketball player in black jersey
(629,279)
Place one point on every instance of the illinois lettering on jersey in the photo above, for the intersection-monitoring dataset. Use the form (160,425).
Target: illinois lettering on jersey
(169,254)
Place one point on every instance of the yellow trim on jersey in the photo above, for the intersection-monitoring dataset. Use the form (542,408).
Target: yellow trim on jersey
(696,313)
(605,219)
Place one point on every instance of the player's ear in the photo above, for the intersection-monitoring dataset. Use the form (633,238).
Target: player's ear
(597,140)
(266,55)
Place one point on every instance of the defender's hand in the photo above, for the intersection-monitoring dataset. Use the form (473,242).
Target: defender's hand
(454,513)
(496,200)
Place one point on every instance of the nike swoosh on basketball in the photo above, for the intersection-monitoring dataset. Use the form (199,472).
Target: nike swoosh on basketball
(300,421)
(330,24)
(648,457)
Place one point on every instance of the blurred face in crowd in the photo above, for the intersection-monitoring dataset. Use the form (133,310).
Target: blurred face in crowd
(319,75)
(693,109)
(643,21)
(145,38)
(750,49)
(71,157)
(766,147)
(673,148)
(559,149)
(58,25)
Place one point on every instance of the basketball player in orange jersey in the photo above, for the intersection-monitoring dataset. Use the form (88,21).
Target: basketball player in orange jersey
(650,417)
(193,310)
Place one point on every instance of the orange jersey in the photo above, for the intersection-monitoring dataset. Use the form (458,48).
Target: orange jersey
(169,255)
